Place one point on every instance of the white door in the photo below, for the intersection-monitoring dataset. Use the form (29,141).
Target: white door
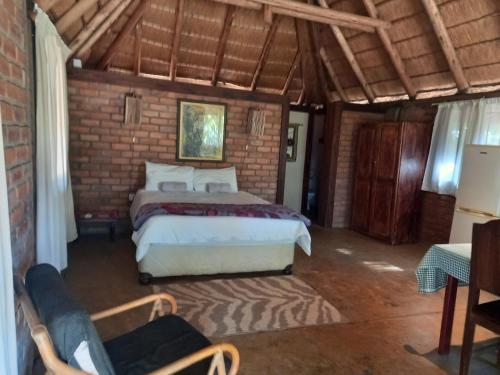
(294,173)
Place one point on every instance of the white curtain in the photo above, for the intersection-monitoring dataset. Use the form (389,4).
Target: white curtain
(55,213)
(8,356)
(458,124)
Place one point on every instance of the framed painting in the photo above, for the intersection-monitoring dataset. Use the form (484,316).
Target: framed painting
(201,130)
(291,145)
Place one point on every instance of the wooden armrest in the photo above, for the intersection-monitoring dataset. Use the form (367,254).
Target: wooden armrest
(157,308)
(216,351)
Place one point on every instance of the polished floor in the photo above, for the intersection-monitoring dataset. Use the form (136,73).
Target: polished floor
(389,327)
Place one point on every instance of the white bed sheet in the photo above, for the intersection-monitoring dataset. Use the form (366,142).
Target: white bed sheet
(199,230)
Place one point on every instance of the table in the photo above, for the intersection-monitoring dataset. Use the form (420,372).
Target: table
(446,265)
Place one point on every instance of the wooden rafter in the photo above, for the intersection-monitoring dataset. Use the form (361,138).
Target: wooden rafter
(333,76)
(47,5)
(138,48)
(177,39)
(247,4)
(291,73)
(99,23)
(393,53)
(314,13)
(446,44)
(314,36)
(268,14)
(309,73)
(221,47)
(265,51)
(73,14)
(350,57)
(123,34)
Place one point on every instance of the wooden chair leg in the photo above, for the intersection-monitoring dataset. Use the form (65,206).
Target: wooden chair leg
(467,344)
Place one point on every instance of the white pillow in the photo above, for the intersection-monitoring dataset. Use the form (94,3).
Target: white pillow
(158,173)
(225,175)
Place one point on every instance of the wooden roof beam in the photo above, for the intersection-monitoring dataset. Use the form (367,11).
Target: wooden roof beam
(73,14)
(307,89)
(393,53)
(265,52)
(46,5)
(138,48)
(314,36)
(123,34)
(446,44)
(177,39)
(221,47)
(314,13)
(330,16)
(350,57)
(333,76)
(291,73)
(98,25)
(247,4)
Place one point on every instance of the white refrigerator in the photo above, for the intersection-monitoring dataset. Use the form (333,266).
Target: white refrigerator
(478,195)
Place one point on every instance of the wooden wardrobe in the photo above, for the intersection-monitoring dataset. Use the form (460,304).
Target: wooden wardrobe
(390,166)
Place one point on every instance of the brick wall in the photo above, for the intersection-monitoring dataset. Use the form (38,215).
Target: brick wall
(107,158)
(351,121)
(18,132)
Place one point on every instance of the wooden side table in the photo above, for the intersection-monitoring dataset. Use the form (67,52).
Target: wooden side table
(108,223)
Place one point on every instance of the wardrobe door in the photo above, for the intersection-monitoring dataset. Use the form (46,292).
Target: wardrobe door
(383,189)
(362,179)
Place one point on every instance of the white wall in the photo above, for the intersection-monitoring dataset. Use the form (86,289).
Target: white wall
(295,170)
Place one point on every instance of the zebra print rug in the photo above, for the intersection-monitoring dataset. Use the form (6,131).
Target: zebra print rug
(237,306)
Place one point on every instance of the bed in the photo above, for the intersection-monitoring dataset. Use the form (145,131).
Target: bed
(191,232)
(175,245)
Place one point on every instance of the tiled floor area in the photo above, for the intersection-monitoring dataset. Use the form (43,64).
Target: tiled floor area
(390,328)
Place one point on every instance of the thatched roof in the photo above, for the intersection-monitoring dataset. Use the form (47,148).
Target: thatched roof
(456,49)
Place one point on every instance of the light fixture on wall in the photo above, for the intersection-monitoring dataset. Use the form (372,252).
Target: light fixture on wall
(256,121)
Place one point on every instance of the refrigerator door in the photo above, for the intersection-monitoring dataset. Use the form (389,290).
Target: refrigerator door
(479,187)
(461,229)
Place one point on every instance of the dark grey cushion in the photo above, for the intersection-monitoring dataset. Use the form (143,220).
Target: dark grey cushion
(68,323)
(157,344)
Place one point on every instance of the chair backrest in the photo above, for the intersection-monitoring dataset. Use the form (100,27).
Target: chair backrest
(50,309)
(40,334)
(485,258)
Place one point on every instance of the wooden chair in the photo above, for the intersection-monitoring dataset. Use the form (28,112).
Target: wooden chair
(54,365)
(484,275)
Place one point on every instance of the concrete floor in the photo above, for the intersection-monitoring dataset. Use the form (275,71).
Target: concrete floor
(390,328)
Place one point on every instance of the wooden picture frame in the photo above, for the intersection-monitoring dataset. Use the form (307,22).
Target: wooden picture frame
(201,130)
(292,139)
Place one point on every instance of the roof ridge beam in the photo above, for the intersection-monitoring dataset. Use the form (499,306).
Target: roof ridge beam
(265,52)
(122,35)
(221,47)
(177,39)
(101,21)
(446,45)
(394,55)
(350,56)
(75,12)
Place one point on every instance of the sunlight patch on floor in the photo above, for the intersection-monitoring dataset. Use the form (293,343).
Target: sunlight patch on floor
(382,266)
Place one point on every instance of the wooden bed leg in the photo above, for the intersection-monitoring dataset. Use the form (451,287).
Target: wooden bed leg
(145,278)
(288,270)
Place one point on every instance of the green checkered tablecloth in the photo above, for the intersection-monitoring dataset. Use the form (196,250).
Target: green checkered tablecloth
(441,261)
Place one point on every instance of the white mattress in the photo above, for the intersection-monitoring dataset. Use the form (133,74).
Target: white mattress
(199,230)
